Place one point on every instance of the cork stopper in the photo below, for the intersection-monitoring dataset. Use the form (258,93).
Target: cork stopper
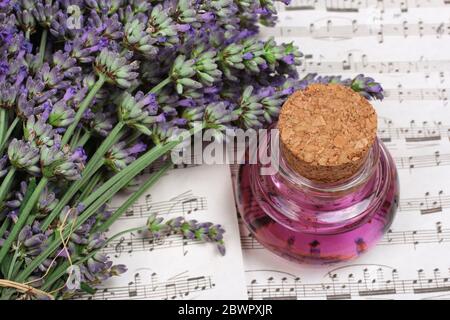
(326,132)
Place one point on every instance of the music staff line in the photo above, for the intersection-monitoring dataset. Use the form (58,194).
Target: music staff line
(169,290)
(422,161)
(414,133)
(355,6)
(141,243)
(285,290)
(363,65)
(414,238)
(332,31)
(185,205)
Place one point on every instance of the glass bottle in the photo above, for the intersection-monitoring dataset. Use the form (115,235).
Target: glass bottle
(318,222)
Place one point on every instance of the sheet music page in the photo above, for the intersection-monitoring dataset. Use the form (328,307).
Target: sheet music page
(173,267)
(404,45)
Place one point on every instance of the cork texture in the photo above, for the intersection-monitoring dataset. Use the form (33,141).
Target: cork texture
(326,132)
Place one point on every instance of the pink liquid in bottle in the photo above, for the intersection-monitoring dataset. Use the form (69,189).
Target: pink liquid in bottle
(311,222)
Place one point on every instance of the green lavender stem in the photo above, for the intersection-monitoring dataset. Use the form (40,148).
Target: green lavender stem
(24,212)
(94,164)
(6,183)
(3,124)
(90,186)
(8,134)
(84,138)
(42,46)
(121,179)
(132,199)
(4,227)
(161,85)
(75,137)
(13,262)
(82,108)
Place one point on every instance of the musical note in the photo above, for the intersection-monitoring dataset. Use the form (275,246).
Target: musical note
(171,289)
(361,282)
(331,31)
(183,203)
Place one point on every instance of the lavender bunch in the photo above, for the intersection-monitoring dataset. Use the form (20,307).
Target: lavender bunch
(93,92)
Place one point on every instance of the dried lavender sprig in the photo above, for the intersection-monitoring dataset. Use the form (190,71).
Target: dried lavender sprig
(189,229)
(366,86)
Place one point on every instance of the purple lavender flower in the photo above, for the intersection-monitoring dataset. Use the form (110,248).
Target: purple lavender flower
(189,229)
(38,131)
(61,163)
(102,123)
(8,96)
(45,11)
(66,64)
(122,154)
(116,69)
(365,86)
(32,243)
(140,111)
(61,115)
(23,155)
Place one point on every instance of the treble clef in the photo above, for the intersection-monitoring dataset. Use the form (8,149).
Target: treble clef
(118,248)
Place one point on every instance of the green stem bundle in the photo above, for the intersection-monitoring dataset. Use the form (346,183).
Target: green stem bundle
(102,195)
(94,164)
(31,197)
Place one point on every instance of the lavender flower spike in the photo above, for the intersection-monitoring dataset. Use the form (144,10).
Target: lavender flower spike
(367,87)
(23,155)
(61,114)
(120,155)
(182,72)
(115,68)
(139,111)
(55,162)
(136,39)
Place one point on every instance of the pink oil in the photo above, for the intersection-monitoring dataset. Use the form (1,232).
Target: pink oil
(310,222)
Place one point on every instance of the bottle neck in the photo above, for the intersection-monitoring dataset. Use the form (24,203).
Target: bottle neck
(340,188)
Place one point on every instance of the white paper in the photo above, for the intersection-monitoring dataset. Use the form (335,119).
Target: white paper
(173,267)
(404,45)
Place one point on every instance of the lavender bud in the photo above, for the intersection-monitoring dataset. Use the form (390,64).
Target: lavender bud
(23,155)
(205,66)
(161,27)
(116,69)
(139,111)
(55,162)
(120,155)
(61,115)
(136,39)
(182,72)
(102,123)
(250,110)
(38,131)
